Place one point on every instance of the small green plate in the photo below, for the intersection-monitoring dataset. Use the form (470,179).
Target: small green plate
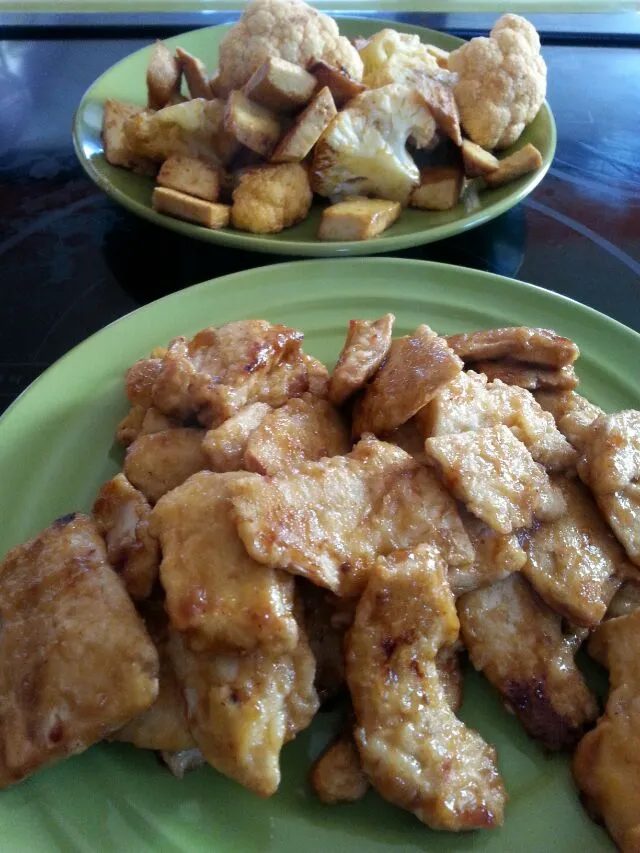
(125,81)
(57,448)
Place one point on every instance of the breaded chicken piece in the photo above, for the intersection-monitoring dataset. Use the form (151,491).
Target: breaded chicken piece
(331,519)
(337,775)
(531,377)
(366,347)
(409,438)
(157,463)
(129,427)
(626,599)
(610,466)
(75,660)
(121,515)
(572,413)
(606,764)
(290,378)
(470,402)
(575,563)
(534,346)
(495,476)
(225,445)
(517,642)
(414,750)
(416,366)
(216,594)
(318,376)
(141,378)
(242,708)
(304,429)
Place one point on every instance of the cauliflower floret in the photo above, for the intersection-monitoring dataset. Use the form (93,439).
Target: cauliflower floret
(270,198)
(289,29)
(190,129)
(363,151)
(502,82)
(393,57)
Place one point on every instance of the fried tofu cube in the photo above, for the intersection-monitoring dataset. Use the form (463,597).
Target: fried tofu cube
(439,98)
(190,176)
(183,206)
(358,219)
(280,85)
(75,660)
(163,77)
(341,86)
(477,162)
(195,72)
(117,149)
(440,188)
(307,129)
(521,162)
(251,124)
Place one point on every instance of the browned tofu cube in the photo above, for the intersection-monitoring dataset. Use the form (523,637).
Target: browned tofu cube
(358,219)
(195,72)
(341,86)
(477,161)
(280,85)
(163,77)
(440,188)
(439,98)
(191,176)
(117,149)
(525,160)
(182,206)
(251,124)
(308,127)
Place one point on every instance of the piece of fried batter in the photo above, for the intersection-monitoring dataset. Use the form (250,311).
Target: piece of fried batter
(409,438)
(517,642)
(225,445)
(531,377)
(413,748)
(122,514)
(157,463)
(331,519)
(535,346)
(75,660)
(318,376)
(606,764)
(415,367)
(364,350)
(140,421)
(215,592)
(572,413)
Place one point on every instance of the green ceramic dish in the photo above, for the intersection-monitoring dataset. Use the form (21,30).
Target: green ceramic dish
(57,442)
(126,81)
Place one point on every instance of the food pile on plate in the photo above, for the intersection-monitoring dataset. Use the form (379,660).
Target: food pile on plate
(279,536)
(295,109)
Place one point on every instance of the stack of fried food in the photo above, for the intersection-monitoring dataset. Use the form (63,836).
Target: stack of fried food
(296,109)
(279,536)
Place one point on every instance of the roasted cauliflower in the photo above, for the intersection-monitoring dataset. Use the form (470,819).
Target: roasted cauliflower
(393,57)
(502,82)
(270,198)
(363,151)
(289,29)
(189,129)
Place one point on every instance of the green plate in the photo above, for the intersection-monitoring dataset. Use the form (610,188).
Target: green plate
(125,81)
(57,448)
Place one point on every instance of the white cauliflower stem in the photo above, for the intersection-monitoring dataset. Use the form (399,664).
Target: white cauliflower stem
(502,82)
(363,151)
(289,29)
(393,57)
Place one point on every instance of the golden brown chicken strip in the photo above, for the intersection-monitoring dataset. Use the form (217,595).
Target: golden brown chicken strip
(572,413)
(304,429)
(606,764)
(535,346)
(413,748)
(364,350)
(331,519)
(531,377)
(225,445)
(215,592)
(517,642)
(415,367)
(242,708)
(75,660)
(121,515)
(157,463)
(495,476)
(575,563)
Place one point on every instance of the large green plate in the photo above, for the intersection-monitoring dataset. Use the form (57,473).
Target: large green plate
(56,448)
(126,81)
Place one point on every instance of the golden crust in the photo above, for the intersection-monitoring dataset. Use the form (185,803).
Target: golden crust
(364,350)
(158,462)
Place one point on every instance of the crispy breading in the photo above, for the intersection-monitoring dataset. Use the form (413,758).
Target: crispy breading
(517,642)
(75,660)
(121,514)
(531,377)
(331,519)
(409,438)
(495,476)
(337,775)
(318,376)
(413,748)
(140,379)
(449,671)
(572,413)
(128,428)
(535,346)
(415,367)
(575,563)
(606,764)
(225,445)
(157,463)
(304,429)
(216,594)
(364,350)
(288,379)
